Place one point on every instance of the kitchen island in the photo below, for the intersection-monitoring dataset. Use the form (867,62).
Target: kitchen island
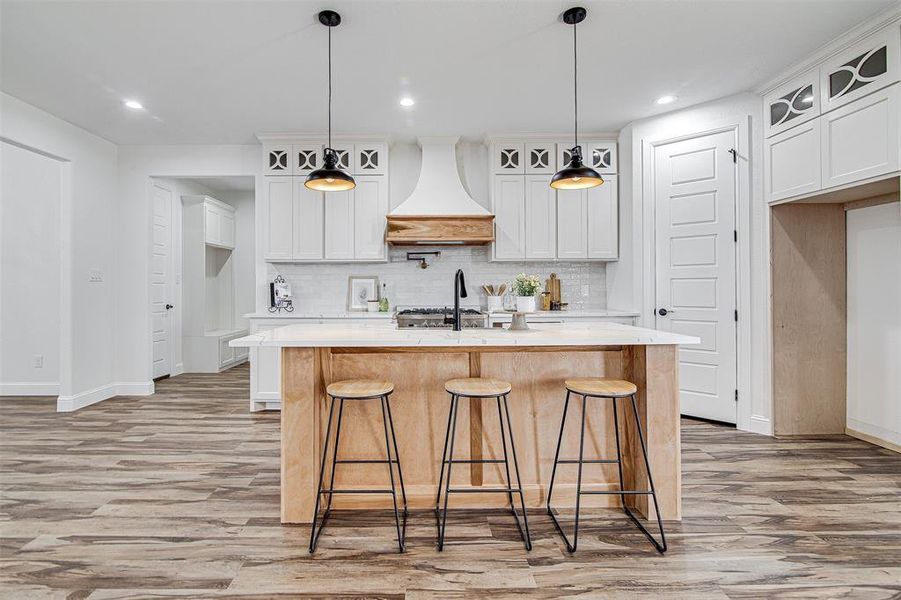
(419,361)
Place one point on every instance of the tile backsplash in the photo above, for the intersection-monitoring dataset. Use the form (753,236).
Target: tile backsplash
(323,287)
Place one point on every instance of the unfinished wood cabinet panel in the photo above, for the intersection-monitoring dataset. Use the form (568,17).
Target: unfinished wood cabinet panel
(809,316)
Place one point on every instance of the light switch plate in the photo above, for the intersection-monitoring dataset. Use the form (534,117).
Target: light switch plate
(95,276)
(38,361)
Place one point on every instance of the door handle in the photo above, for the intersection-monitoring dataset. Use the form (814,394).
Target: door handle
(663,312)
(169,307)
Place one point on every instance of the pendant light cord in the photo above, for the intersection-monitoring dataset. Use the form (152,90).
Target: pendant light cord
(329,87)
(575,89)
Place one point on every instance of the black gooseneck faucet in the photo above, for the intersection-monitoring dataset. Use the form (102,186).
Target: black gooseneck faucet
(459,292)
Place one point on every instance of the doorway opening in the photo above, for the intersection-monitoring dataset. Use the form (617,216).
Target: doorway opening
(202,271)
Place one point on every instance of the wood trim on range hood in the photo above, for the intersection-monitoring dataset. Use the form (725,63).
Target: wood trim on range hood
(465,230)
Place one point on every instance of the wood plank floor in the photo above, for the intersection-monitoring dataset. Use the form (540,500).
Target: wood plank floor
(176,495)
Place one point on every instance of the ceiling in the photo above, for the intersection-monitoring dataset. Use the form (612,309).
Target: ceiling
(219,72)
(225,184)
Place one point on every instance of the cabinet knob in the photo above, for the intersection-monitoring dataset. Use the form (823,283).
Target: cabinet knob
(169,307)
(663,312)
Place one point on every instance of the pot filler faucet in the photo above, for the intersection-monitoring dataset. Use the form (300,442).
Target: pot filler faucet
(459,292)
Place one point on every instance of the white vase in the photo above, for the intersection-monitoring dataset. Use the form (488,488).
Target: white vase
(495,303)
(525,304)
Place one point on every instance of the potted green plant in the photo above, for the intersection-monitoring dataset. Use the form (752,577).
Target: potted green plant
(525,287)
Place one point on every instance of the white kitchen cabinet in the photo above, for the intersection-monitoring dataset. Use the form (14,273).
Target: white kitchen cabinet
(508,158)
(279,219)
(603,219)
(598,155)
(370,159)
(219,223)
(277,159)
(370,206)
(345,153)
(792,162)
(860,140)
(862,69)
(306,228)
(572,224)
(508,198)
(792,103)
(541,158)
(306,158)
(540,218)
(339,225)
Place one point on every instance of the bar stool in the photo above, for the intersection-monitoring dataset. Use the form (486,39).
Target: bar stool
(478,388)
(359,390)
(613,389)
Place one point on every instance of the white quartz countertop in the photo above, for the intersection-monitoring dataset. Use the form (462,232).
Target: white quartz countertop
(381,334)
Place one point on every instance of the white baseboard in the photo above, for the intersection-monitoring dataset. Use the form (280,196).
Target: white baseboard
(760,425)
(47,388)
(104,392)
(874,434)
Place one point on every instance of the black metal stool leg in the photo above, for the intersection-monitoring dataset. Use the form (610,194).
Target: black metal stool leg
(500,419)
(331,485)
(661,546)
(400,539)
(550,489)
(450,416)
(450,464)
(400,473)
(526,537)
(314,537)
(572,546)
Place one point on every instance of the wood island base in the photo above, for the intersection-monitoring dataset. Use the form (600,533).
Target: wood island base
(420,409)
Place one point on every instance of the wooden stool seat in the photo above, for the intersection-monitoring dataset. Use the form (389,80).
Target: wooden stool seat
(359,388)
(477,387)
(600,386)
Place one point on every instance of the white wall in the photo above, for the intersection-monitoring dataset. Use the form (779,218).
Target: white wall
(30,196)
(137,165)
(87,211)
(874,321)
(630,282)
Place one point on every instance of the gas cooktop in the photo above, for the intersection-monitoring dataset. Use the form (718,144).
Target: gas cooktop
(439,317)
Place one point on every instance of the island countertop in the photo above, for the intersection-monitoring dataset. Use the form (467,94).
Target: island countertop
(387,335)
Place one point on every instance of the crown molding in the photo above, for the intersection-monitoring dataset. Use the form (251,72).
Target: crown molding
(594,136)
(886,18)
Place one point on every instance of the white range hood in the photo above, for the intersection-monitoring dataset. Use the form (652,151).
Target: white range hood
(439,211)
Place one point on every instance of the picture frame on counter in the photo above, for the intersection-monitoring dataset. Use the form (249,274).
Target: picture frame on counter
(360,290)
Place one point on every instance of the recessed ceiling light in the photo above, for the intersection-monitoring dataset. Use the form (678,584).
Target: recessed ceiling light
(134,105)
(666,99)
(407,101)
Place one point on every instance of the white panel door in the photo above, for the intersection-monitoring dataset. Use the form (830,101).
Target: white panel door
(603,219)
(540,217)
(694,193)
(279,212)
(161,284)
(308,214)
(860,139)
(509,217)
(370,207)
(339,225)
(572,224)
(793,162)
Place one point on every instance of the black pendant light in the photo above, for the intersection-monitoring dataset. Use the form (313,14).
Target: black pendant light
(330,178)
(575,175)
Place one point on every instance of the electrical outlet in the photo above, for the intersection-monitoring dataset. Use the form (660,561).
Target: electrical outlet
(38,361)
(95,276)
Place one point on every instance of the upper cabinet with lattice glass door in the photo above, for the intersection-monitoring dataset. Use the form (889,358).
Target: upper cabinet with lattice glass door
(793,103)
(508,157)
(862,69)
(277,159)
(600,156)
(370,159)
(540,158)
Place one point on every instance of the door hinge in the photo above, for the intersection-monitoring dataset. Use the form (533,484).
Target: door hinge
(735,234)
(736,395)
(736,315)
(734,154)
